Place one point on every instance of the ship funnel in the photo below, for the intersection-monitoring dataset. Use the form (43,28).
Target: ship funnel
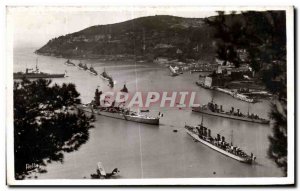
(218,137)
(221,108)
(223,139)
(238,111)
(209,133)
(232,109)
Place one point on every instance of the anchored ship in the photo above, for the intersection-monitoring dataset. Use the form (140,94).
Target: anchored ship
(69,63)
(214,109)
(117,111)
(120,113)
(35,74)
(108,78)
(203,135)
(82,66)
(93,71)
(236,95)
(105,76)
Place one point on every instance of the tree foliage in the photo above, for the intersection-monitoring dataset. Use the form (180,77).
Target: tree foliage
(262,36)
(46,123)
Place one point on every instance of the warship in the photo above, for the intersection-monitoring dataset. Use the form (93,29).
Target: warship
(117,112)
(105,76)
(69,63)
(203,135)
(36,74)
(217,110)
(82,66)
(93,71)
(108,78)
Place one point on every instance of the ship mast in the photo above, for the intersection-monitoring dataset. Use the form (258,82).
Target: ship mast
(248,108)
(231,137)
(36,65)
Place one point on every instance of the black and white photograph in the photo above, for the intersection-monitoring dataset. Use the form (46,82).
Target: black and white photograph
(150,95)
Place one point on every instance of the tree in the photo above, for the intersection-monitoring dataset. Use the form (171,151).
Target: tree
(229,35)
(262,35)
(46,123)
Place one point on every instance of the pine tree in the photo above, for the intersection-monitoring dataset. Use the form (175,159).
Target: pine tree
(46,124)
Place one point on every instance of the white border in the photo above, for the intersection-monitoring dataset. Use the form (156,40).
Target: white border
(171,181)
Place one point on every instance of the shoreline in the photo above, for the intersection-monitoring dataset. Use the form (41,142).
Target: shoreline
(119,57)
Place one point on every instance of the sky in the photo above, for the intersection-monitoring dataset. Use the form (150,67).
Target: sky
(35,26)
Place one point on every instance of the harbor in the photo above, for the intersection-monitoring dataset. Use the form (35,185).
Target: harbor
(147,151)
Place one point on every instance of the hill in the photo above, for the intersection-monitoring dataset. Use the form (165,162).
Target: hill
(141,38)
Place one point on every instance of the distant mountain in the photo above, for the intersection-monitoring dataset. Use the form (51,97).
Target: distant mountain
(141,38)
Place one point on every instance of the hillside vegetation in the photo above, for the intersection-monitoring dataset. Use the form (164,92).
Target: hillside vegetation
(141,38)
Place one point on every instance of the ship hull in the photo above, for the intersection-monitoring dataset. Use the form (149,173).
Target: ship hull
(37,76)
(104,78)
(154,121)
(69,64)
(193,135)
(81,68)
(229,116)
(93,73)
(199,110)
(151,121)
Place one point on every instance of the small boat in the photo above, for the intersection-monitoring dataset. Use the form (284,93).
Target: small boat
(69,63)
(101,174)
(101,169)
(203,135)
(201,84)
(174,71)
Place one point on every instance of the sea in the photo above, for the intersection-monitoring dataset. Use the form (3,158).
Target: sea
(147,151)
